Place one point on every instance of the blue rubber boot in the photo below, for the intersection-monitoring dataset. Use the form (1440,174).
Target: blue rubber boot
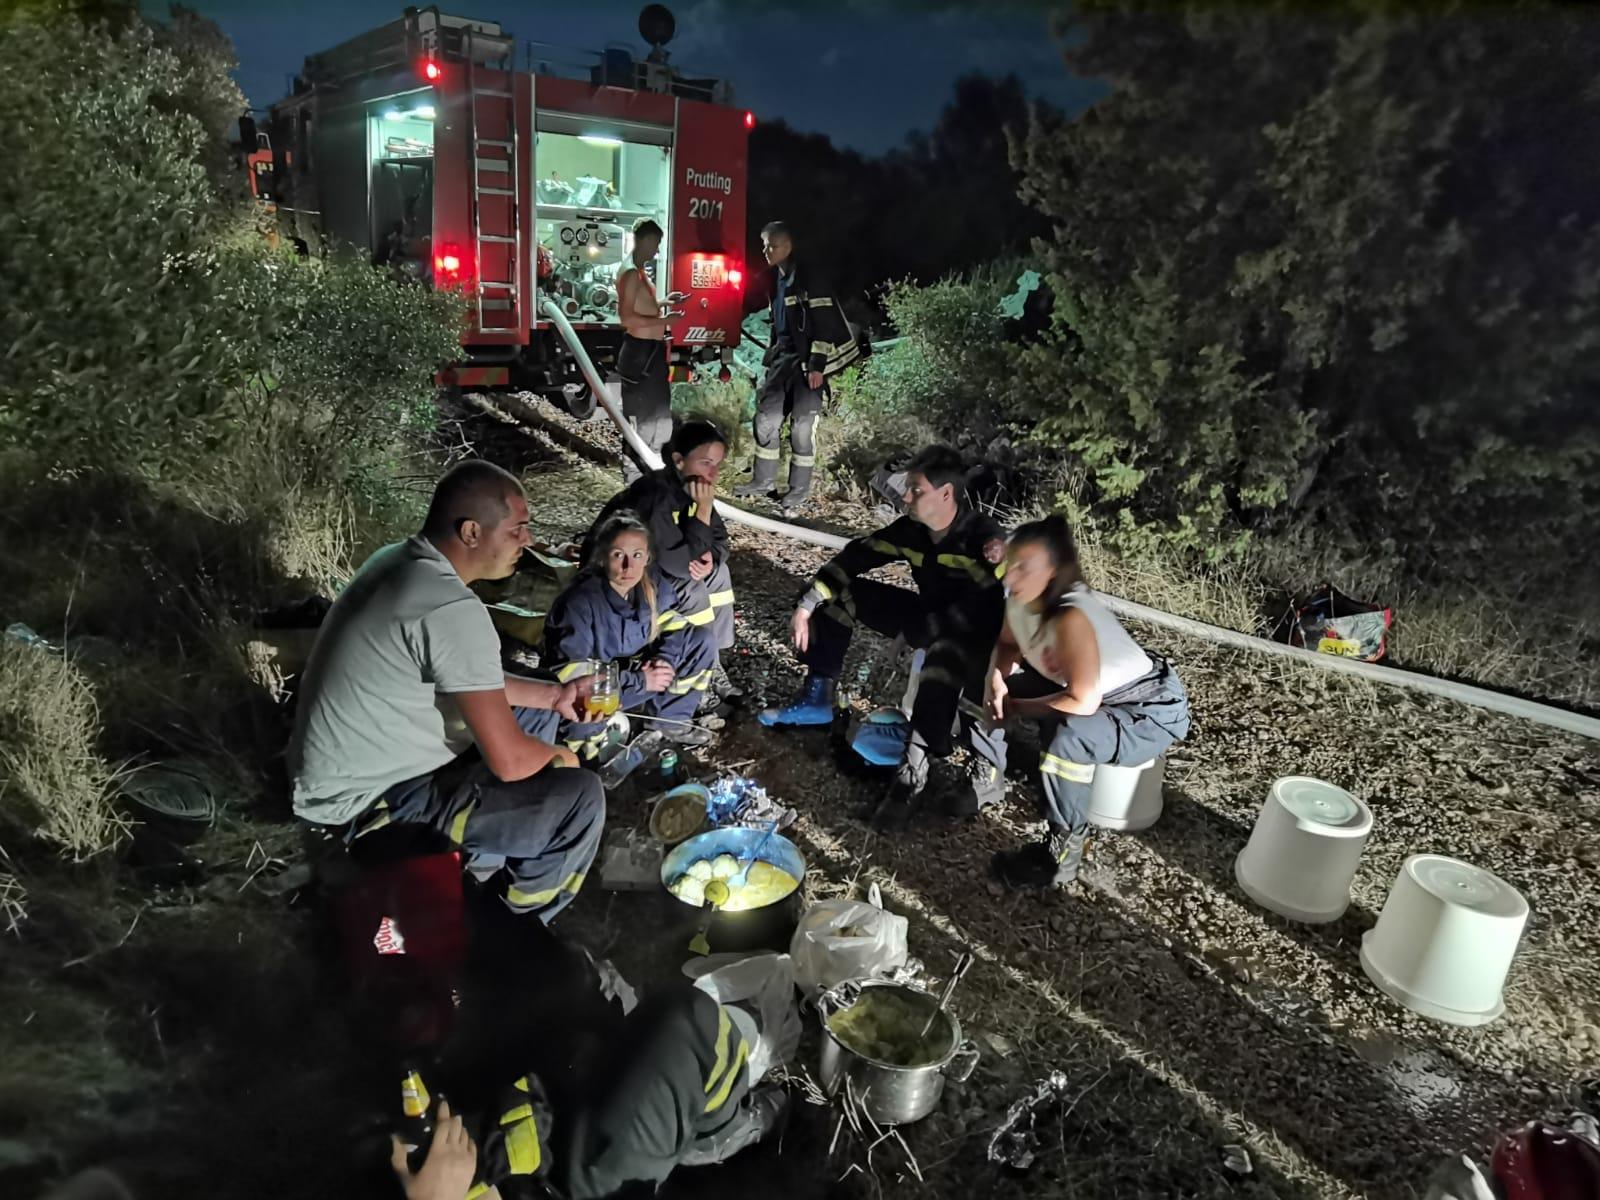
(813,706)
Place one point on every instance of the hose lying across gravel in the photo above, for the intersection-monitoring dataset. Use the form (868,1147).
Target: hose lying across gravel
(1529,710)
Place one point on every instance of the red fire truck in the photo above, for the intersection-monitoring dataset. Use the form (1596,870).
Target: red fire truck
(422,145)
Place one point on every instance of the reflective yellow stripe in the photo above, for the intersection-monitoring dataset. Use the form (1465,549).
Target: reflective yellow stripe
(821,589)
(704,617)
(523,1153)
(822,302)
(1062,768)
(517,1114)
(724,1028)
(803,460)
(522,1084)
(763,452)
(721,599)
(1000,569)
(823,348)
(883,547)
(518,898)
(677,517)
(458,823)
(914,557)
(730,1078)
(567,672)
(691,683)
(979,572)
(672,621)
(476,1190)
(790,301)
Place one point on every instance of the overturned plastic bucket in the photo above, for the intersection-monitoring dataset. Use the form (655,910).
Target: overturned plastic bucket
(1304,850)
(1127,798)
(1444,942)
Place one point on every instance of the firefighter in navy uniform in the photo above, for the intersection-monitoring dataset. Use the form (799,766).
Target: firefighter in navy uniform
(621,609)
(810,340)
(677,503)
(955,615)
(671,1089)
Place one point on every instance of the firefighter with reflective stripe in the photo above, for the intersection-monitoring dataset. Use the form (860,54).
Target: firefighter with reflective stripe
(621,609)
(406,717)
(954,553)
(1097,696)
(678,504)
(810,341)
(673,1089)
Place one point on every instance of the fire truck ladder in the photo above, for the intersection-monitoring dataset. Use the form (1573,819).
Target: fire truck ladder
(496,242)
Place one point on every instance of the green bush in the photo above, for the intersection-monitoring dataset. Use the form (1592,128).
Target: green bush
(151,332)
(1336,273)
(944,376)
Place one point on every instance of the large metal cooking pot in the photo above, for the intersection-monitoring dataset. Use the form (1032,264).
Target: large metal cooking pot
(890,1094)
(766,928)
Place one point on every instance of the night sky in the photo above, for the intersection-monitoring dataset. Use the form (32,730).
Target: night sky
(865,72)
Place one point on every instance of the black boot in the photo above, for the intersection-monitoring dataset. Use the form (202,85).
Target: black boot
(981,786)
(1054,862)
(895,810)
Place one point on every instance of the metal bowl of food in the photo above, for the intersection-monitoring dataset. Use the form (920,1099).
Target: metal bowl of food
(764,872)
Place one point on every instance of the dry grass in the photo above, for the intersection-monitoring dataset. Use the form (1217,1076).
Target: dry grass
(13,901)
(53,781)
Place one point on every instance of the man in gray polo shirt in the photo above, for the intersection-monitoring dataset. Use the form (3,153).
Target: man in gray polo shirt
(407,654)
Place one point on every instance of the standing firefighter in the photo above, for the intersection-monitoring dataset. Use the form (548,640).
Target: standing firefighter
(1098,697)
(642,359)
(810,341)
(954,614)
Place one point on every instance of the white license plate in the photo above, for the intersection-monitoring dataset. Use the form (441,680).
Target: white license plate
(707,273)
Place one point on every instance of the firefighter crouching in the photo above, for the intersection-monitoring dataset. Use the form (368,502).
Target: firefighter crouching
(810,341)
(406,717)
(678,505)
(673,1089)
(622,610)
(955,615)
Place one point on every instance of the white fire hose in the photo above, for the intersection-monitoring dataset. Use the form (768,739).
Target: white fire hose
(1515,706)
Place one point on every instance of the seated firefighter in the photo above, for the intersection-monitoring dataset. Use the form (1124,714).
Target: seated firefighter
(678,505)
(621,609)
(673,1089)
(1098,697)
(954,615)
(406,647)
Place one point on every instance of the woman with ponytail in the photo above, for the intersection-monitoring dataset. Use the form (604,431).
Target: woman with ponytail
(622,609)
(1097,696)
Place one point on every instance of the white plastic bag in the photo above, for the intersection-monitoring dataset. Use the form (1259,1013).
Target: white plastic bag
(762,986)
(846,939)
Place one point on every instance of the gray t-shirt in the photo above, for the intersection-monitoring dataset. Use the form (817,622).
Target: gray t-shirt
(402,636)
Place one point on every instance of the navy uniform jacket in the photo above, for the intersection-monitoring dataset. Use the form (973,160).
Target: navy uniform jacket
(661,501)
(589,620)
(952,574)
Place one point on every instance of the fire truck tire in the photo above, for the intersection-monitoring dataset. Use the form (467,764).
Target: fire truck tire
(578,399)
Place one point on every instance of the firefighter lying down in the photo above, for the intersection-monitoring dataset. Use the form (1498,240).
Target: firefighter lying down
(672,1089)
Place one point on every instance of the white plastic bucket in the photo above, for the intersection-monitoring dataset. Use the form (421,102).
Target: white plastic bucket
(1126,798)
(1304,850)
(1444,942)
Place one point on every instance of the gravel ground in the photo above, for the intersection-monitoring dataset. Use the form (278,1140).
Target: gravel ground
(1186,1018)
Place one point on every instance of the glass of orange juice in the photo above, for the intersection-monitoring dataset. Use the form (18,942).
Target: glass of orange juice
(604,696)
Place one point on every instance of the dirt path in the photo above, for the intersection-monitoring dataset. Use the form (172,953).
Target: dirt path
(1186,1017)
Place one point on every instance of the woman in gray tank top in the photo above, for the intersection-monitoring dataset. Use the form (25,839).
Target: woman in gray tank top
(1064,661)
